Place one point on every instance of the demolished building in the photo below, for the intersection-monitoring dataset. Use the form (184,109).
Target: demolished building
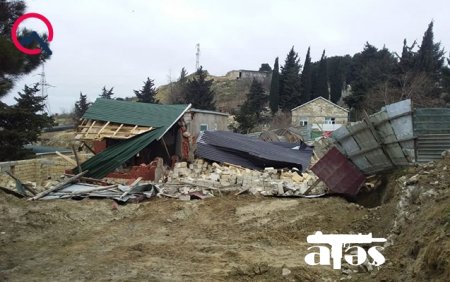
(133,134)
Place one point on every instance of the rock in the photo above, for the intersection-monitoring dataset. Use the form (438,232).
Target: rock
(412,180)
(297,178)
(285,271)
(184,197)
(181,165)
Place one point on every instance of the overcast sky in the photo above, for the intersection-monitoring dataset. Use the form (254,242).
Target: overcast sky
(120,43)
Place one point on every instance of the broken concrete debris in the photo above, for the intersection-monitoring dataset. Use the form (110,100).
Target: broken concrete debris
(227,177)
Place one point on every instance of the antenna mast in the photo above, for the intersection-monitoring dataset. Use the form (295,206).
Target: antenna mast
(197,55)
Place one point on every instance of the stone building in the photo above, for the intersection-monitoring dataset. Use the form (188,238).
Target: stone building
(320,114)
(260,76)
(201,120)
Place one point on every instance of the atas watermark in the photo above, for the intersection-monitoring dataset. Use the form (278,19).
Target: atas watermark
(343,246)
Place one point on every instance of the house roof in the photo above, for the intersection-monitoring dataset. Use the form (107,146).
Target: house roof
(313,100)
(208,112)
(135,113)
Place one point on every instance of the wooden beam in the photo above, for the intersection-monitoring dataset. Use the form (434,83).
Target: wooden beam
(165,147)
(92,124)
(117,130)
(66,158)
(131,187)
(76,158)
(89,148)
(106,124)
(59,186)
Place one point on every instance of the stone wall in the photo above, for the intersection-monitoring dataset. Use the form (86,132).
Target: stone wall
(37,170)
(316,112)
(214,122)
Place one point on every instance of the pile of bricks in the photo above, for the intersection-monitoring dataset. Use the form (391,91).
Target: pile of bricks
(268,182)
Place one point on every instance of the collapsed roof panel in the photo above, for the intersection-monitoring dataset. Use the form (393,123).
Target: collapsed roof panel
(111,158)
(238,149)
(338,173)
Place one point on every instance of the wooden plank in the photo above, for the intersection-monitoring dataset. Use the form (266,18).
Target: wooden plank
(92,190)
(131,187)
(93,123)
(59,186)
(98,133)
(117,130)
(66,158)
(77,160)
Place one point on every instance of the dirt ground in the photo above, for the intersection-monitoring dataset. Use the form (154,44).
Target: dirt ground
(229,238)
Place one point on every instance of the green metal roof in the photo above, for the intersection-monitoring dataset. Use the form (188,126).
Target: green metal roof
(135,113)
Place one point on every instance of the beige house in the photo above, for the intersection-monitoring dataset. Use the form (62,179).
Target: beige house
(201,120)
(320,114)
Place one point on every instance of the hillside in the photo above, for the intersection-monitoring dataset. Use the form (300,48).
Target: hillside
(229,91)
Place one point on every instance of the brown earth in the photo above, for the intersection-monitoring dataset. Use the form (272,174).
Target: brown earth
(229,238)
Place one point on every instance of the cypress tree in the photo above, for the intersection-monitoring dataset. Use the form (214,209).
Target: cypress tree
(290,95)
(322,78)
(274,96)
(430,57)
(306,79)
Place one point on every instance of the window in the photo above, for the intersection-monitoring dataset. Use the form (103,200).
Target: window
(330,120)
(203,127)
(303,121)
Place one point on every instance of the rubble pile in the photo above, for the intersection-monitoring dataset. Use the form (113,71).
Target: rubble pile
(268,182)
(424,182)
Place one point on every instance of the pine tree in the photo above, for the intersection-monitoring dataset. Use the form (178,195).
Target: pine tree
(274,96)
(22,123)
(81,107)
(322,78)
(430,57)
(306,79)
(148,93)
(199,92)
(107,94)
(265,67)
(177,95)
(250,113)
(290,94)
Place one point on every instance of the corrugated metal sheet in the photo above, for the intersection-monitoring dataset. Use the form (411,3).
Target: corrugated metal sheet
(111,158)
(338,173)
(400,118)
(381,141)
(432,128)
(135,113)
(362,147)
(224,146)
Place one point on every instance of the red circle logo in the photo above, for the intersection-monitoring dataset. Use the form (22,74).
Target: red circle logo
(16,42)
